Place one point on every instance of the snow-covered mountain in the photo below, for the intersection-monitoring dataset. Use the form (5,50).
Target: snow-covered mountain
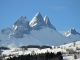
(39,31)
(37,22)
(48,24)
(73,34)
(20,27)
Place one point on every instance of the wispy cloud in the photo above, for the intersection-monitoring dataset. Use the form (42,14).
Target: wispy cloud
(11,46)
(58,7)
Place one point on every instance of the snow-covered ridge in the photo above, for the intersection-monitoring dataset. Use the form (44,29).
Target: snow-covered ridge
(20,27)
(71,31)
(73,34)
(47,21)
(37,20)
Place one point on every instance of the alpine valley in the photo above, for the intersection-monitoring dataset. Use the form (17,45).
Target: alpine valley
(39,31)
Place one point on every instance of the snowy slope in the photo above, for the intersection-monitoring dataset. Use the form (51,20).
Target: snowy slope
(44,36)
(48,35)
(73,34)
(71,45)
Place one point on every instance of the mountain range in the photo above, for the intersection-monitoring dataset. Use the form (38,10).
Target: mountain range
(38,31)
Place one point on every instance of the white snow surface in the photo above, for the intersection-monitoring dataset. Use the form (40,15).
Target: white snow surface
(70,58)
(14,27)
(19,51)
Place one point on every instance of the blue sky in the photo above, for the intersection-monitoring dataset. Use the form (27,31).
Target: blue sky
(63,14)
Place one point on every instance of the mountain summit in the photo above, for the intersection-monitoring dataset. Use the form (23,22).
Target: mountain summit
(20,27)
(71,31)
(48,23)
(73,34)
(37,22)
(22,21)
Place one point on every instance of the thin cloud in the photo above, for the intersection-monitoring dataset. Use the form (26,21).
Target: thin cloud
(57,7)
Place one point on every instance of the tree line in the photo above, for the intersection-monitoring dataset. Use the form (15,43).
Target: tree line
(42,56)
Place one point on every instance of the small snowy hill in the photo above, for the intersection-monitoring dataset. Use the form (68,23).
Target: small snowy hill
(73,34)
(65,49)
(39,31)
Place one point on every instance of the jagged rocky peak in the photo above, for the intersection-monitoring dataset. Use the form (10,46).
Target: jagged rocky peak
(21,22)
(71,31)
(46,19)
(21,26)
(48,23)
(37,21)
(38,16)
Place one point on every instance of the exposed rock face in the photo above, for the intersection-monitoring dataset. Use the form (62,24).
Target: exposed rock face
(20,27)
(71,31)
(48,24)
(37,22)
